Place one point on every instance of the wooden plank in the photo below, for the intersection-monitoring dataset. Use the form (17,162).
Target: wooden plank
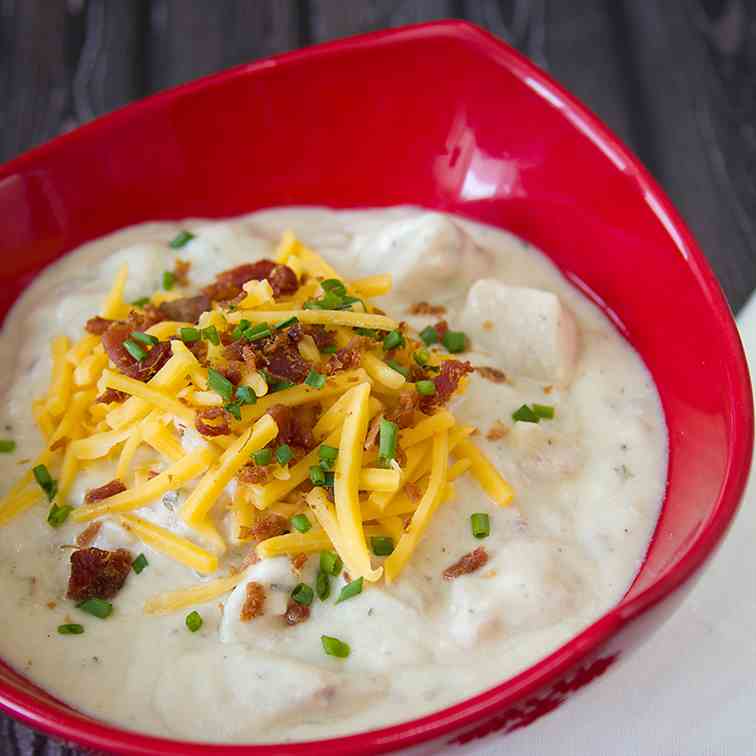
(190,39)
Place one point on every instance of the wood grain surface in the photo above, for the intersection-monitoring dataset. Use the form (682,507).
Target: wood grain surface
(676,79)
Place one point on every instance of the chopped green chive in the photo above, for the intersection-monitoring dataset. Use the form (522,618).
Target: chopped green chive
(189,334)
(425,388)
(330,349)
(257,332)
(182,238)
(335,647)
(275,386)
(7,446)
(481,525)
(303,594)
(429,335)
(210,334)
(263,457)
(525,415)
(45,481)
(382,545)
(246,395)
(169,280)
(293,320)
(544,411)
(393,340)
(96,607)
(330,563)
(329,479)
(236,334)
(370,333)
(350,590)
(70,629)
(144,338)
(193,621)
(141,302)
(322,585)
(388,435)
(220,384)
(421,357)
(234,409)
(301,523)
(317,476)
(139,564)
(334,285)
(327,455)
(134,350)
(58,515)
(394,365)
(455,341)
(284,454)
(315,379)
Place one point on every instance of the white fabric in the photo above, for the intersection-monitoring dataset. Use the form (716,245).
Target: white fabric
(691,689)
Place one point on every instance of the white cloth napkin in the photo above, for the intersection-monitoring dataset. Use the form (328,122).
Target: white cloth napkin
(691,689)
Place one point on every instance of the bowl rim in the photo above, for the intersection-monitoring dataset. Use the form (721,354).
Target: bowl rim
(99,735)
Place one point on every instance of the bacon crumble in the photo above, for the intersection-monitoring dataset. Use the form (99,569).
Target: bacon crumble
(269,526)
(426,308)
(296,613)
(186,309)
(214,421)
(88,535)
(491,373)
(467,564)
(254,602)
(96,573)
(111,488)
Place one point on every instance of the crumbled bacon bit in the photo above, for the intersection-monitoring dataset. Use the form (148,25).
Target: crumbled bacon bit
(254,603)
(52,604)
(251,556)
(112,395)
(347,358)
(488,325)
(285,362)
(249,358)
(229,283)
(181,270)
(413,491)
(186,309)
(214,421)
(404,413)
(232,370)
(296,613)
(283,280)
(548,389)
(446,382)
(268,526)
(233,351)
(441,328)
(96,573)
(294,429)
(111,488)
(467,564)
(491,374)
(497,432)
(253,474)
(97,325)
(88,534)
(373,431)
(320,335)
(199,350)
(426,308)
(141,370)
(141,321)
(298,561)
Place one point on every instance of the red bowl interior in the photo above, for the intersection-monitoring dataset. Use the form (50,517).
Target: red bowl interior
(445,116)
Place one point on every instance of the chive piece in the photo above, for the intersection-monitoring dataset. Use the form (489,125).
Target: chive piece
(169,280)
(181,239)
(322,585)
(481,525)
(144,338)
(330,349)
(236,334)
(303,594)
(315,379)
(394,365)
(455,341)
(189,334)
(525,415)
(246,395)
(220,384)
(193,621)
(429,335)
(421,357)
(70,629)
(544,411)
(382,545)
(329,479)
(134,350)
(347,302)
(334,285)
(234,409)
(139,564)
(141,302)
(7,446)
(317,476)
(335,647)
(350,590)
(371,333)
(393,340)
(58,515)
(96,607)
(263,457)
(257,332)
(388,435)
(284,454)
(276,386)
(327,455)
(330,563)
(45,481)
(301,523)
(425,388)
(293,320)
(210,334)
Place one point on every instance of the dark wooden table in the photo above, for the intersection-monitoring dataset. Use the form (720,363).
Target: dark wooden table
(676,79)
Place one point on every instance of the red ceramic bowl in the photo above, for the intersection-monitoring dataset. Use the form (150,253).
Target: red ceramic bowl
(446,116)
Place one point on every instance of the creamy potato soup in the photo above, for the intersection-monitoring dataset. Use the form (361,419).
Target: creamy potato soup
(251,501)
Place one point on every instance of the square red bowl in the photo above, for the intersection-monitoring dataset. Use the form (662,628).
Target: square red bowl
(446,116)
